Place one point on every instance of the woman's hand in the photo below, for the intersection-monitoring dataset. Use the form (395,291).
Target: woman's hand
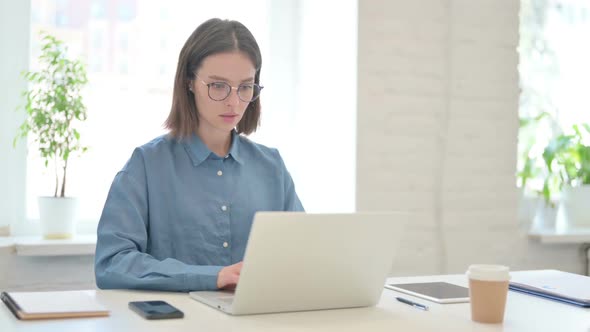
(228,277)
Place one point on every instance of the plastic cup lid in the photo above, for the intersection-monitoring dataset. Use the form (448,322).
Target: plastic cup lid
(488,272)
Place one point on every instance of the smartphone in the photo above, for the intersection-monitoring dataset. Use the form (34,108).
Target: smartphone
(155,309)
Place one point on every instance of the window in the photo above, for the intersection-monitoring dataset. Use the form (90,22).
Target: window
(554,71)
(131,48)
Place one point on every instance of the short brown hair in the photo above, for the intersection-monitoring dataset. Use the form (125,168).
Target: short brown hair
(211,37)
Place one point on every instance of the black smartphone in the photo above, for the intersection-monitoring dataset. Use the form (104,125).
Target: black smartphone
(155,309)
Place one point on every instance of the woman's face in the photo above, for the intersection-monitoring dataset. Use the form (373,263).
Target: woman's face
(233,68)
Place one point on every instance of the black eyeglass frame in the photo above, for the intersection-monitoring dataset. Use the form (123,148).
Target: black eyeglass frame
(231,88)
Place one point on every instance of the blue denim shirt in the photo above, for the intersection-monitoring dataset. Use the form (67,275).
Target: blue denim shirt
(177,213)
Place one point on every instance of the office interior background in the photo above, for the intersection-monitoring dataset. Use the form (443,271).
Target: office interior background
(395,105)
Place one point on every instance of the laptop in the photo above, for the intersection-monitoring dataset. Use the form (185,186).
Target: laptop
(297,261)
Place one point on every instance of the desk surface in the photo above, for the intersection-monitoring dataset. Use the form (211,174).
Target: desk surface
(523,313)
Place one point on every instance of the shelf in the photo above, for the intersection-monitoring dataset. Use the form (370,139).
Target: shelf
(37,246)
(565,235)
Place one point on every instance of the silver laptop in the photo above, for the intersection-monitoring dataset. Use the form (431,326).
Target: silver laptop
(297,261)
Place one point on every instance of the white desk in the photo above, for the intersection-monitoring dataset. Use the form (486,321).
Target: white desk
(561,234)
(523,313)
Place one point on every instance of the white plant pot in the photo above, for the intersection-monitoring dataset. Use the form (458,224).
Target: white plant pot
(58,217)
(574,203)
(545,216)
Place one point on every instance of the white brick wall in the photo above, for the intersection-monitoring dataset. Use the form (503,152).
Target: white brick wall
(437,133)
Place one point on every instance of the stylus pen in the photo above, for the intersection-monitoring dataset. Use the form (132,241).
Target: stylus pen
(412,303)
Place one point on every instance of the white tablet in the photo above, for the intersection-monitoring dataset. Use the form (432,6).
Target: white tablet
(440,292)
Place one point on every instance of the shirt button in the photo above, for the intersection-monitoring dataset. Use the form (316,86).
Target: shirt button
(223,208)
(225,244)
(219,173)
(227,156)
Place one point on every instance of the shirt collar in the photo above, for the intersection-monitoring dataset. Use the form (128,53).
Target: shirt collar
(199,152)
(234,150)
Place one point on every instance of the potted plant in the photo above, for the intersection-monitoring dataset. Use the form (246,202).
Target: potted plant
(533,211)
(567,158)
(54,107)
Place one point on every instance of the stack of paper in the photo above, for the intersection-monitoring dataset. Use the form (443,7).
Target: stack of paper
(552,284)
(43,305)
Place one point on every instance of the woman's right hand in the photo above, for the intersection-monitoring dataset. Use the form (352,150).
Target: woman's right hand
(228,277)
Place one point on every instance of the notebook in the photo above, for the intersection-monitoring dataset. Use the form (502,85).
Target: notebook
(553,284)
(45,305)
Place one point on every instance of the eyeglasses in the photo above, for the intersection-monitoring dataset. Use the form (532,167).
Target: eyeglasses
(218,91)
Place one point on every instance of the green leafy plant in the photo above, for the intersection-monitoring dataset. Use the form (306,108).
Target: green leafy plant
(54,106)
(567,158)
(529,168)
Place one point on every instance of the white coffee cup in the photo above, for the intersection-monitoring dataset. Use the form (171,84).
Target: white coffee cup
(488,289)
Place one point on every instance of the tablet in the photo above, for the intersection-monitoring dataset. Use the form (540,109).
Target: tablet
(440,292)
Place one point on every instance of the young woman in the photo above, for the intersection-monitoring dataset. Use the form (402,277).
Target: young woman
(178,214)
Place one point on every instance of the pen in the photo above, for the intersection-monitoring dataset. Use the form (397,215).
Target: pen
(412,303)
